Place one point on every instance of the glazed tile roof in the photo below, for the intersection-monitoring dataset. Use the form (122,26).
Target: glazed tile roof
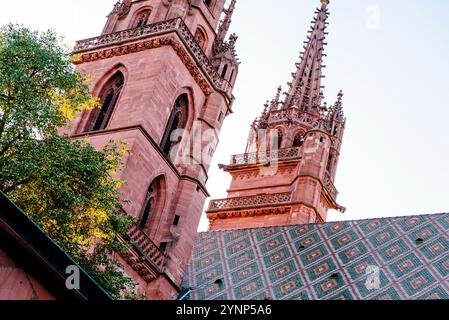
(339,260)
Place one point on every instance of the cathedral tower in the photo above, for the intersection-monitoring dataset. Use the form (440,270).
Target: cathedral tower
(164,72)
(286,175)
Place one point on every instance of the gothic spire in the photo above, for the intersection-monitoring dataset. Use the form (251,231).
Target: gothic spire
(336,112)
(276,101)
(226,23)
(305,89)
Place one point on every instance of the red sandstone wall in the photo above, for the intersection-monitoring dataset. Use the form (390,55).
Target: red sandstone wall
(263,221)
(16,284)
(153,80)
(303,178)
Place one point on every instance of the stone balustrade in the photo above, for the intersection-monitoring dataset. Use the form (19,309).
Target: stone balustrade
(329,185)
(146,246)
(260,157)
(175,25)
(250,201)
(294,114)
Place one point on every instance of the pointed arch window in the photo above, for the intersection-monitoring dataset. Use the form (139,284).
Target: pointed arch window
(100,117)
(225,71)
(330,162)
(177,120)
(280,138)
(298,141)
(277,143)
(200,38)
(141,19)
(231,77)
(150,204)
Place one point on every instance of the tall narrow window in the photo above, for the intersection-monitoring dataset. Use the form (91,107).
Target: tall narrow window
(141,19)
(100,117)
(330,163)
(277,143)
(225,70)
(177,120)
(163,246)
(231,77)
(298,141)
(150,203)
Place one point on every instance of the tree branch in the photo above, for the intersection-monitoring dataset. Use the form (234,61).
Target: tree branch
(5,147)
(3,123)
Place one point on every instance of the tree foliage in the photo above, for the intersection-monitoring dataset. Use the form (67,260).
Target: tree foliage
(65,186)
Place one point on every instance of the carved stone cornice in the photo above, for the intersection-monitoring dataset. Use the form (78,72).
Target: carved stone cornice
(143,256)
(147,45)
(249,213)
(263,157)
(134,40)
(256,201)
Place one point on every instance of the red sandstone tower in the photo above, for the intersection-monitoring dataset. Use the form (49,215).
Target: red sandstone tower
(287,173)
(164,74)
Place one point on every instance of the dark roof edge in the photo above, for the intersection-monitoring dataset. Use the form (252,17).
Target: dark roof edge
(34,251)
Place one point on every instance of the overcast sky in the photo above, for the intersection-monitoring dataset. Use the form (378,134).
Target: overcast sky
(389,57)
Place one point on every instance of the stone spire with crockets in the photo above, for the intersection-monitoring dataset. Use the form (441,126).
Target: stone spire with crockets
(305,90)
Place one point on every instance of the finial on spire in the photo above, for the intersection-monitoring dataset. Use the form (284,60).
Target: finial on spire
(233,39)
(276,101)
(226,23)
(278,93)
(336,112)
(304,91)
(340,96)
(324,4)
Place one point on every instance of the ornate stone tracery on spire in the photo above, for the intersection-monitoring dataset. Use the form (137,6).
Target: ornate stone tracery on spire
(304,100)
(223,48)
(276,102)
(305,88)
(295,142)
(225,24)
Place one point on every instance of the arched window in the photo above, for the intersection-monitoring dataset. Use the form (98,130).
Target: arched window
(200,37)
(225,70)
(150,204)
(177,120)
(277,143)
(232,76)
(280,138)
(330,163)
(298,140)
(100,117)
(141,19)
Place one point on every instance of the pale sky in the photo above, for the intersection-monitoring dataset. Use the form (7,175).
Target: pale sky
(389,57)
